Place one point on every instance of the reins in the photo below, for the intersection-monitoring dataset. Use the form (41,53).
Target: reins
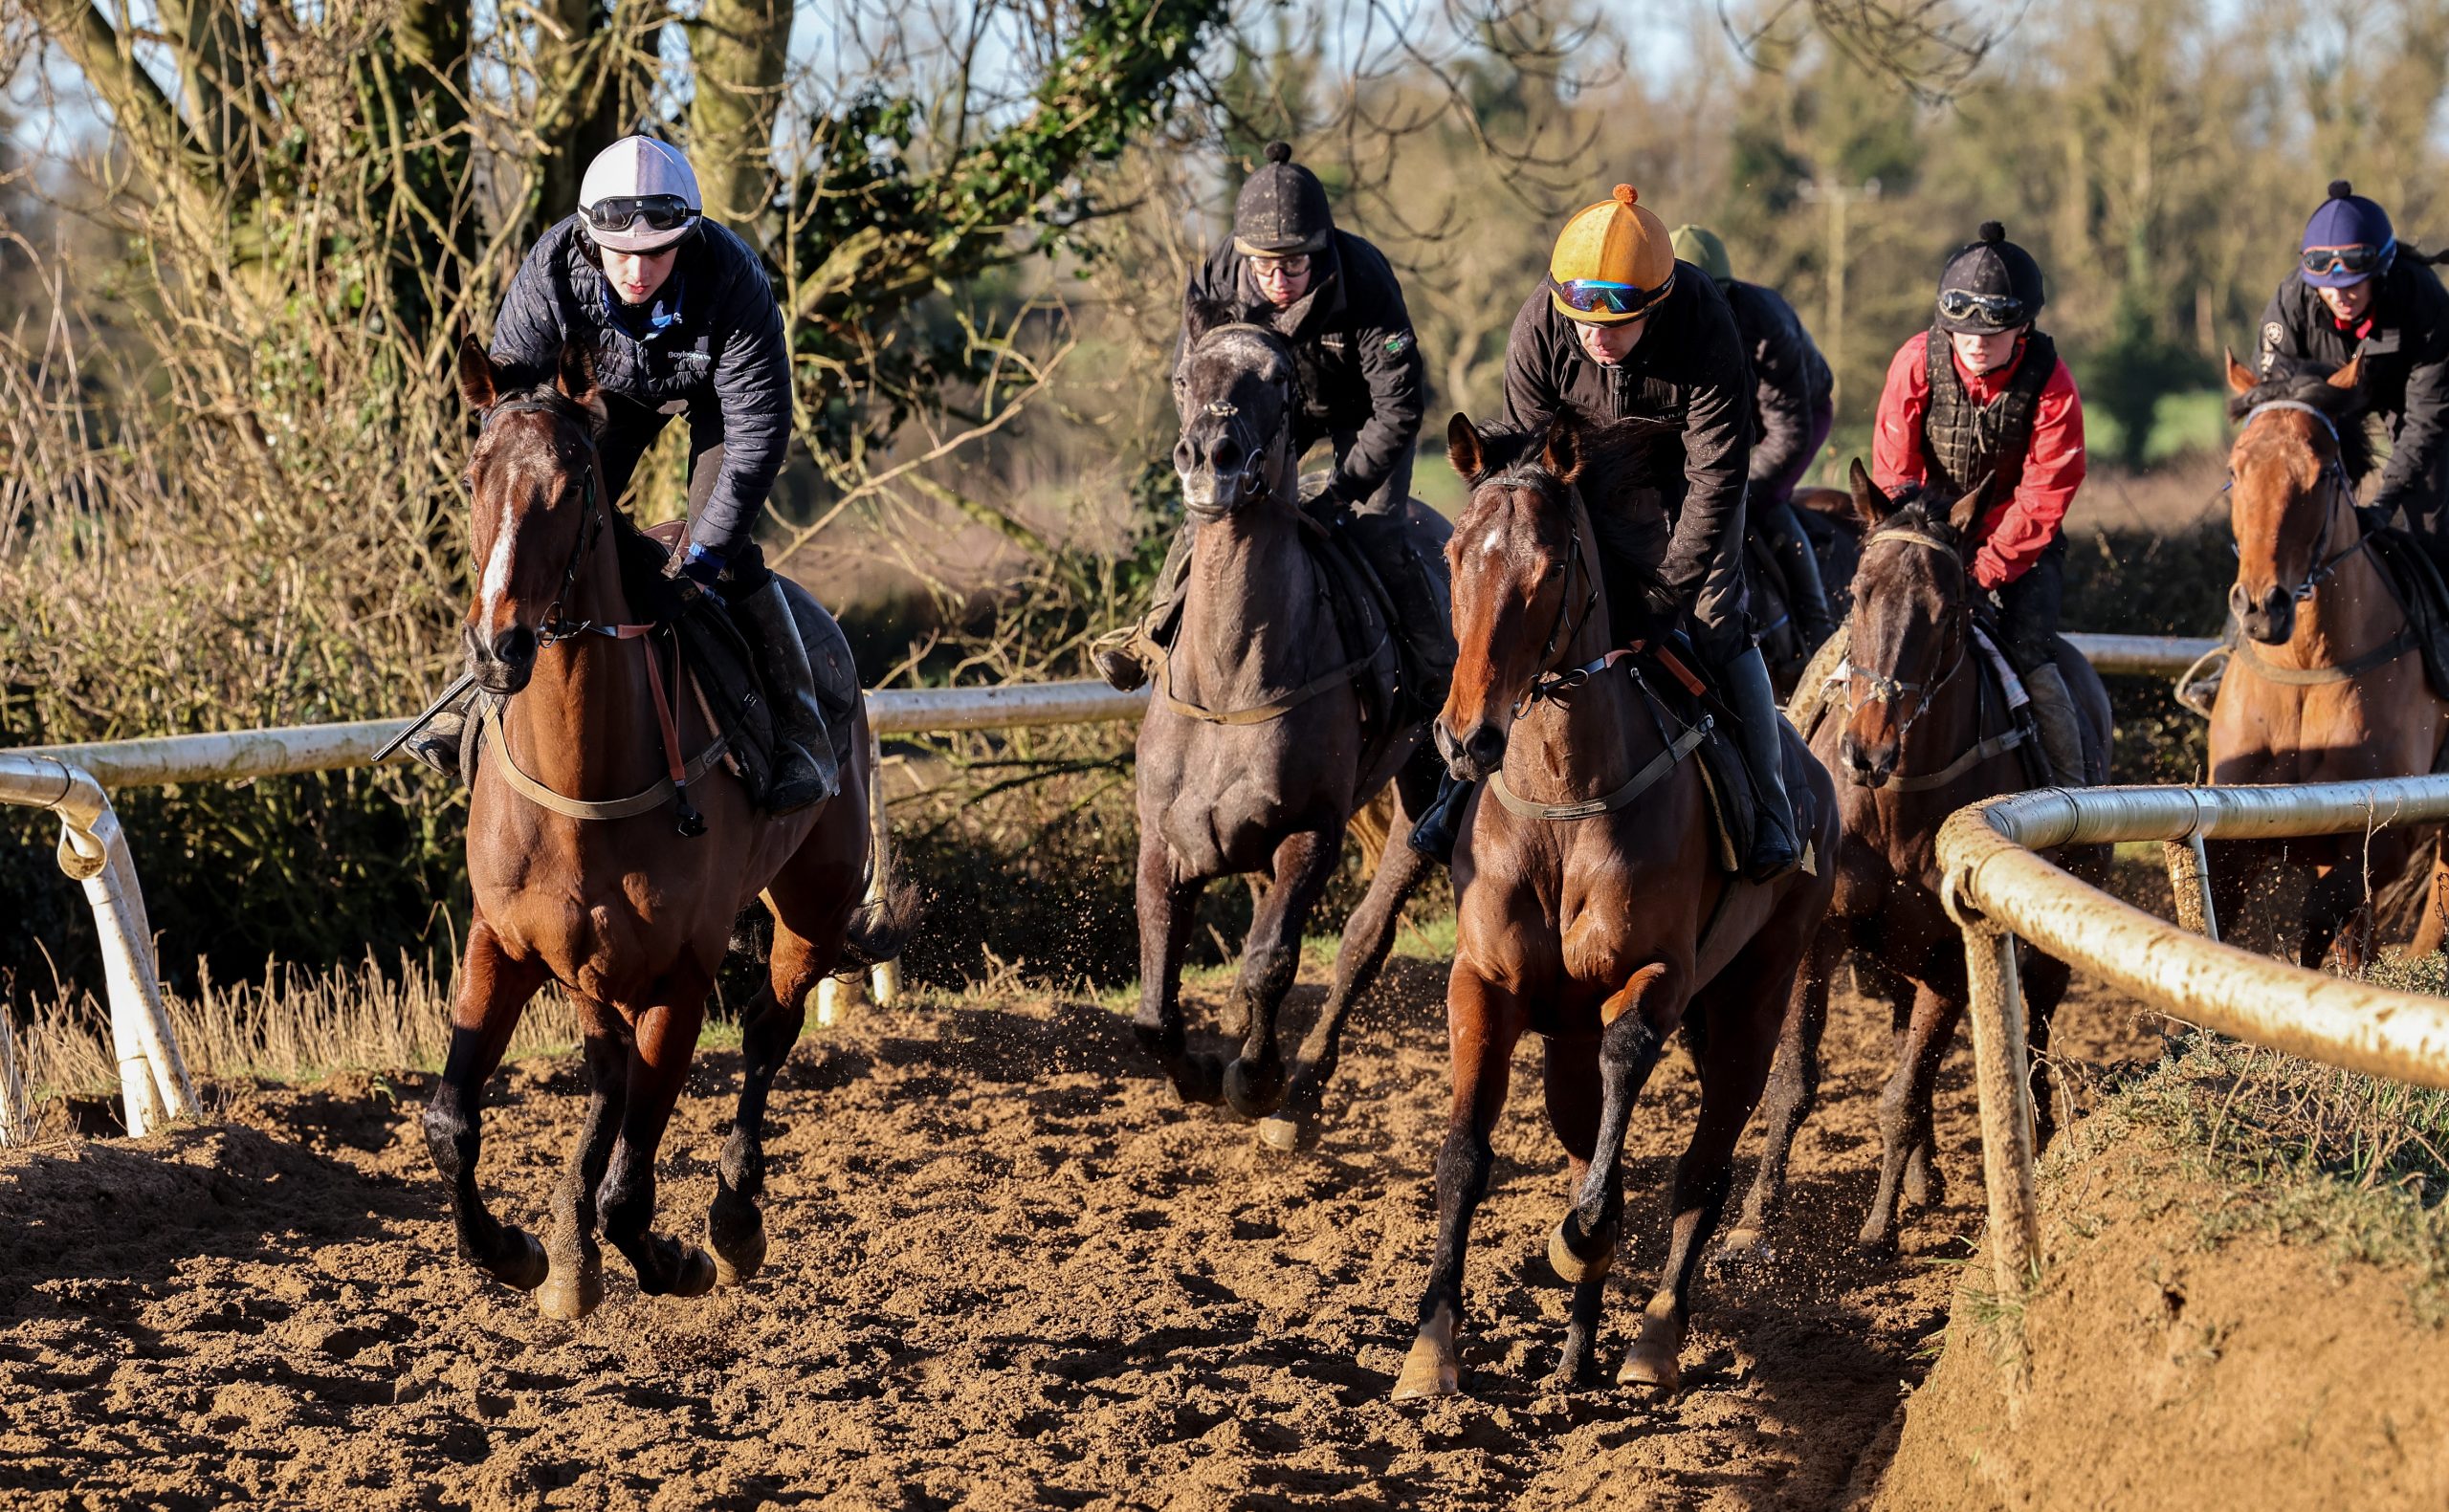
(554,630)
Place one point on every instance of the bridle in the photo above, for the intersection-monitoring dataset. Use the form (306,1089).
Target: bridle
(1252,475)
(2333,472)
(1880,688)
(554,630)
(1548,682)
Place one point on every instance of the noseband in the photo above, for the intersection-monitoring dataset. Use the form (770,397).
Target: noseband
(2333,472)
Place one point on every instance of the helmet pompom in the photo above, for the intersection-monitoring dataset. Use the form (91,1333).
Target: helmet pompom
(1993,232)
(1279,152)
(2340,189)
(1626,195)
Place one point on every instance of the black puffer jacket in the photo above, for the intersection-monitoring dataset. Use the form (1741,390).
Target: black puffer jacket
(725,354)
(1689,369)
(1789,376)
(1358,365)
(2406,370)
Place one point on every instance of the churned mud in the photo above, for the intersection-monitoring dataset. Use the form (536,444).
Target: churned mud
(1009,1270)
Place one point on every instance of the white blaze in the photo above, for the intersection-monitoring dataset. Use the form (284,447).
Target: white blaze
(496,571)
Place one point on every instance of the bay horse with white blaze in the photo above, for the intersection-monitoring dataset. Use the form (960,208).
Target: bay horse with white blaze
(2324,684)
(1590,905)
(628,916)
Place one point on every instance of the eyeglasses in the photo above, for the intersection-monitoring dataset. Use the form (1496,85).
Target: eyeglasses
(656,212)
(1998,310)
(1599,297)
(1294,267)
(2345,259)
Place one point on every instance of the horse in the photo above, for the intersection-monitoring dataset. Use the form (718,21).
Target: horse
(1591,905)
(1262,737)
(1834,541)
(2340,694)
(629,917)
(1923,735)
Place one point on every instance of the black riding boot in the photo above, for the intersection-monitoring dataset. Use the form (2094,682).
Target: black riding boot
(437,741)
(1760,730)
(805,771)
(1125,657)
(1425,630)
(1438,829)
(1801,566)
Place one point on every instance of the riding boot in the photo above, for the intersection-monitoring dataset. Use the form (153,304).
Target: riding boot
(1422,627)
(805,770)
(437,741)
(1801,566)
(1438,829)
(2062,732)
(1127,658)
(1761,733)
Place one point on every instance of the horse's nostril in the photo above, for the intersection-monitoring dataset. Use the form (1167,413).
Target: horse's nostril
(1486,746)
(514,644)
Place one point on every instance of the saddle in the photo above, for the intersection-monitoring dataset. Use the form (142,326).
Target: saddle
(1677,678)
(2415,578)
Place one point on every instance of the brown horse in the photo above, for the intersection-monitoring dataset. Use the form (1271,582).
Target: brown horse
(1834,541)
(1262,739)
(2340,695)
(1591,908)
(1921,736)
(631,918)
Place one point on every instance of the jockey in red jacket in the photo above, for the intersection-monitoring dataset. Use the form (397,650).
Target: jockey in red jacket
(1983,394)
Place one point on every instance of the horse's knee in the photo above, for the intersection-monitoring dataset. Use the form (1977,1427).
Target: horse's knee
(1464,1163)
(451,1137)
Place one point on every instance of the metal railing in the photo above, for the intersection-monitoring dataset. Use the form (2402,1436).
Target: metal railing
(1999,891)
(74,782)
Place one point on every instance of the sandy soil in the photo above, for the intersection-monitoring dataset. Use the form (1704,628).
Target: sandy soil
(1009,1271)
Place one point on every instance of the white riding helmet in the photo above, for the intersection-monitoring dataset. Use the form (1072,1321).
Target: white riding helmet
(639,195)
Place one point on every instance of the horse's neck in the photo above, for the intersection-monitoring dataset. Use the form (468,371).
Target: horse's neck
(1251,610)
(582,725)
(2352,612)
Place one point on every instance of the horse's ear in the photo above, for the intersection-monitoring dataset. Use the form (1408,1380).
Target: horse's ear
(1560,450)
(2348,377)
(2240,376)
(1463,447)
(477,383)
(1870,505)
(1968,511)
(576,381)
(1201,316)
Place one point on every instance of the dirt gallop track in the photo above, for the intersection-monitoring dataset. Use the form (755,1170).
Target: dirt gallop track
(1009,1271)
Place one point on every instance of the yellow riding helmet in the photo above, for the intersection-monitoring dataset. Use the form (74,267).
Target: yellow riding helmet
(1612,262)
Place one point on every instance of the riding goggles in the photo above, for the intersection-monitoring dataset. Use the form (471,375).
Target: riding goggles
(1293,265)
(2347,259)
(1599,297)
(655,212)
(2000,310)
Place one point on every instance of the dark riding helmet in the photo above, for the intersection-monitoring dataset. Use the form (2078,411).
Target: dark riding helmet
(1283,209)
(1991,284)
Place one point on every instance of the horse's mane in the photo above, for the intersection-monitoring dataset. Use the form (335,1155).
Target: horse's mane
(2342,405)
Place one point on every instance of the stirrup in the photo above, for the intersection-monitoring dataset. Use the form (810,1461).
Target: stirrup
(437,746)
(1121,658)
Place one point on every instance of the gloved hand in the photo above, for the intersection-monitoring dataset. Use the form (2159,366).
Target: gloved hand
(700,567)
(2384,507)
(1325,504)
(1664,604)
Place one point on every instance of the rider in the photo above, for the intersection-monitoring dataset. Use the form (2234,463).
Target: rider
(1793,406)
(2356,291)
(1983,395)
(1620,329)
(680,318)
(1357,373)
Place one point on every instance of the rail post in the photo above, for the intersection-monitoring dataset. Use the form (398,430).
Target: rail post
(884,977)
(2002,1071)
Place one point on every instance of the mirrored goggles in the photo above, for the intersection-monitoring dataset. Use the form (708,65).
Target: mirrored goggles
(654,213)
(2344,259)
(1998,310)
(1599,297)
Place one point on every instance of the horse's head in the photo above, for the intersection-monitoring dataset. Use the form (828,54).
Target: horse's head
(1912,621)
(1523,580)
(2290,456)
(534,507)
(1234,389)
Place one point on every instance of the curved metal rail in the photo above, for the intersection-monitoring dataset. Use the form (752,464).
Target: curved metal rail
(2000,891)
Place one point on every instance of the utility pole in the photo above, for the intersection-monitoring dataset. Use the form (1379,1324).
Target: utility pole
(1839,198)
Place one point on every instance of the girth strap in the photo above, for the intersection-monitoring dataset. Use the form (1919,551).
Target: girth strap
(2269,671)
(1640,782)
(1275,708)
(1982,750)
(542,796)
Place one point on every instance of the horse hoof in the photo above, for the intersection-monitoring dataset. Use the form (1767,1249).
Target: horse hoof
(572,1292)
(738,1261)
(1876,1240)
(525,1267)
(1747,1245)
(1284,1136)
(1198,1079)
(735,1232)
(1253,1093)
(1571,1267)
(695,1275)
(1652,1360)
(1428,1371)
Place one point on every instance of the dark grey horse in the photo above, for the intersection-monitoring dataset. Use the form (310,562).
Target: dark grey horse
(1266,732)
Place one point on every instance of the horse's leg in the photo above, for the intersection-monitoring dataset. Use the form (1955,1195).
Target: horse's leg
(1584,1246)
(2044,980)
(1905,1103)
(1167,905)
(666,1034)
(2232,865)
(1875,979)
(492,990)
(1271,960)
(1794,1090)
(1367,936)
(575,1287)
(734,1225)
(2435,923)
(1741,1011)
(1574,1097)
(1483,1022)
(2337,909)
